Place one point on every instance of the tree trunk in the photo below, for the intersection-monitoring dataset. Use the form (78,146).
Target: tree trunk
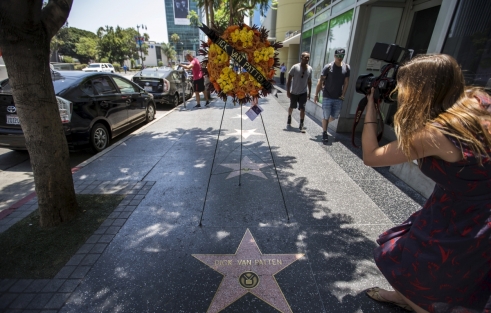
(26,54)
(212,13)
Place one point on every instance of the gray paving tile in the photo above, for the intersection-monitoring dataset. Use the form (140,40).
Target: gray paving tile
(20,285)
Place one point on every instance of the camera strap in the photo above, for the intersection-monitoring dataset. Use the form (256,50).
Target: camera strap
(359,112)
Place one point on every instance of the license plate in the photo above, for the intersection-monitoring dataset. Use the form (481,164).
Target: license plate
(13,120)
(148,88)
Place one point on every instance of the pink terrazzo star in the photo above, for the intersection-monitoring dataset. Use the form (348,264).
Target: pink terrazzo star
(237,269)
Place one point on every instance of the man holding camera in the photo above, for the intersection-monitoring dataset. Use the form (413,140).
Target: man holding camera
(334,78)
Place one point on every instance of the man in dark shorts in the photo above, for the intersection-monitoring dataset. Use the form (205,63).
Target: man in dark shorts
(198,80)
(301,74)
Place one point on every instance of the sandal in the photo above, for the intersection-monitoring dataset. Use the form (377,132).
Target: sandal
(374,293)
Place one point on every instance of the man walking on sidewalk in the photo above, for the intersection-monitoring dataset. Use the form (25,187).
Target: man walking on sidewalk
(301,73)
(334,78)
(198,80)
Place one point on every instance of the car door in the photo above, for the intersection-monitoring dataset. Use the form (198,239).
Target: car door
(135,103)
(110,103)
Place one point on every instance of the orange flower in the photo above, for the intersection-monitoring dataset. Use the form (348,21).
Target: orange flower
(216,85)
(253,92)
(271,62)
(240,94)
(231,29)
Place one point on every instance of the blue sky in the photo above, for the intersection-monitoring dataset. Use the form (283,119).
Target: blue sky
(92,14)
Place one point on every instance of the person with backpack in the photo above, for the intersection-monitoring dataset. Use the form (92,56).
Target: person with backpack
(334,80)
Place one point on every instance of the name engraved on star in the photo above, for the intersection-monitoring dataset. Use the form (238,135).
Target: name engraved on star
(223,262)
(273,262)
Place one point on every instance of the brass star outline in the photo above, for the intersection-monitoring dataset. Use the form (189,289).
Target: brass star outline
(245,133)
(248,167)
(248,258)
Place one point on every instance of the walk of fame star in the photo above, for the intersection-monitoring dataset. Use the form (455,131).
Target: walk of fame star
(244,117)
(248,271)
(245,133)
(248,167)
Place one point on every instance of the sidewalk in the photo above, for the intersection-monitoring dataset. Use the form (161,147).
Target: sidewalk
(293,231)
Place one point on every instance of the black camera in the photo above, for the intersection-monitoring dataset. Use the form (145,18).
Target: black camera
(386,82)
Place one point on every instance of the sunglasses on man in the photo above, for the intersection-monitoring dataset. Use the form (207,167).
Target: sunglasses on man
(341,56)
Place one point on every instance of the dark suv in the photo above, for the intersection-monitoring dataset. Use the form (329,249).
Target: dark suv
(94,108)
(165,84)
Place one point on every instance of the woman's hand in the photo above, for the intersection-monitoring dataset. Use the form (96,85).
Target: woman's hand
(370,95)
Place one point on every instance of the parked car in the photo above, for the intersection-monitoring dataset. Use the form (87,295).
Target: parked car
(165,84)
(99,67)
(94,108)
(63,66)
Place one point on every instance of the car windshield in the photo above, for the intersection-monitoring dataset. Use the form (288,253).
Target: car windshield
(94,65)
(153,73)
(62,83)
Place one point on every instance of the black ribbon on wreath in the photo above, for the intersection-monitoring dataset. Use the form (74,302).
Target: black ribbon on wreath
(239,59)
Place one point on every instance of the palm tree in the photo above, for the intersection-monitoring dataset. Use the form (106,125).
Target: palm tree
(168,51)
(175,38)
(240,8)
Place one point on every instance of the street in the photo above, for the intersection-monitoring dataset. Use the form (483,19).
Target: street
(16,177)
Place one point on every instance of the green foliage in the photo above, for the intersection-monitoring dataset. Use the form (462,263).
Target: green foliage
(104,60)
(194,18)
(87,48)
(119,44)
(67,59)
(175,38)
(132,63)
(79,67)
(67,39)
(160,63)
(168,50)
(117,67)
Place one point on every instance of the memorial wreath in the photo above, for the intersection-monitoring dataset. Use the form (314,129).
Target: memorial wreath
(240,62)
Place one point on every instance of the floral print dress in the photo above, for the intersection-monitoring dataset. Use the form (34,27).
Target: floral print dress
(440,258)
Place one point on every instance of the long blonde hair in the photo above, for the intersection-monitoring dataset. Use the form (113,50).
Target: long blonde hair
(431,93)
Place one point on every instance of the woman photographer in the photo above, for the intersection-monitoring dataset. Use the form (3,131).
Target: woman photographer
(439,260)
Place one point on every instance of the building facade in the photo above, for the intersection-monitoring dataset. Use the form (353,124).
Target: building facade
(459,28)
(177,23)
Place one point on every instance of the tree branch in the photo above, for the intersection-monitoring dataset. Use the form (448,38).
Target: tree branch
(55,14)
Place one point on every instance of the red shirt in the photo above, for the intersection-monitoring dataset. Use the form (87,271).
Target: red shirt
(197,74)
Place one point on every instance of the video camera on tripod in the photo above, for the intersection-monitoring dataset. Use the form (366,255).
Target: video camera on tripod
(384,84)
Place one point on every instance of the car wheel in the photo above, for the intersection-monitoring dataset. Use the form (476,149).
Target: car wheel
(175,102)
(150,113)
(112,71)
(99,137)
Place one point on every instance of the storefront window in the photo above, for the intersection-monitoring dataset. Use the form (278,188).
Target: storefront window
(342,5)
(469,41)
(322,17)
(339,34)
(319,40)
(308,24)
(322,5)
(308,15)
(309,5)
(306,38)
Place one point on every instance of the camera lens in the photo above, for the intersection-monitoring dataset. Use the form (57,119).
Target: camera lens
(364,83)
